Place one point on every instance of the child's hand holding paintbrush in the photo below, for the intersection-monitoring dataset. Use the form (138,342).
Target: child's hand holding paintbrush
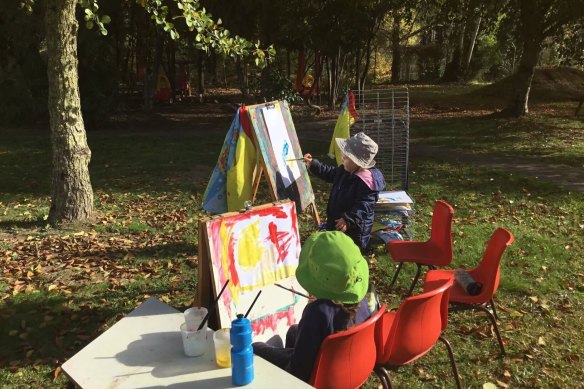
(307,159)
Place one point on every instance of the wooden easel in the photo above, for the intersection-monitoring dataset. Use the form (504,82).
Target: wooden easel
(264,151)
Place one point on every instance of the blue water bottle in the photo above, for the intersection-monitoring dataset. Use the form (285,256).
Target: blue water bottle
(241,351)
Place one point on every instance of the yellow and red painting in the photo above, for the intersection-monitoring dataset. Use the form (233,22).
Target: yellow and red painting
(255,250)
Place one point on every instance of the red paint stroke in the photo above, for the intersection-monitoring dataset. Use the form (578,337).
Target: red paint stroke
(294,219)
(270,322)
(276,212)
(245,122)
(281,240)
(217,244)
(231,257)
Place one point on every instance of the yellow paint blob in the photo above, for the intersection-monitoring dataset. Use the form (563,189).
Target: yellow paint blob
(250,250)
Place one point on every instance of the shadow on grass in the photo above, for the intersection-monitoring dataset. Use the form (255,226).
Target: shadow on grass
(53,327)
(22,224)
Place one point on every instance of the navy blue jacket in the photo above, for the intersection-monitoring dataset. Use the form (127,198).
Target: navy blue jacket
(350,199)
(320,319)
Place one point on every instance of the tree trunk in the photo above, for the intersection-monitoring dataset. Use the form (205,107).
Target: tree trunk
(171,71)
(522,79)
(358,69)
(396,54)
(532,23)
(366,65)
(71,192)
(242,78)
(472,43)
(200,75)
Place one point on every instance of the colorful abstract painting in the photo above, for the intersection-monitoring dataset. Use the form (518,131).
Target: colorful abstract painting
(256,251)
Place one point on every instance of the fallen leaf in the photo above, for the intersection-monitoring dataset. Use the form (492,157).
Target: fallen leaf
(489,385)
(57,373)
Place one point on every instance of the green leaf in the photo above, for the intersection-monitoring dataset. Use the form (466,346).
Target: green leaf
(105,19)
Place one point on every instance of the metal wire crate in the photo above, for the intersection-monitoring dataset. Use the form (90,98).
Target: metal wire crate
(384,115)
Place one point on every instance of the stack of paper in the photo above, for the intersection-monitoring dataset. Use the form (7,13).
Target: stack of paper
(395,200)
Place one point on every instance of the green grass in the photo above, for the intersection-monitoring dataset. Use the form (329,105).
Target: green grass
(556,140)
(61,289)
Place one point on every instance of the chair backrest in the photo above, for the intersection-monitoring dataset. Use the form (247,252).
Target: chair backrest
(346,359)
(441,233)
(409,333)
(488,270)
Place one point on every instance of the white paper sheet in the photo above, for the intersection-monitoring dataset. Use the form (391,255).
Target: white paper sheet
(281,145)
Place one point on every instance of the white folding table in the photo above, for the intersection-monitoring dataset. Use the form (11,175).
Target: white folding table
(144,350)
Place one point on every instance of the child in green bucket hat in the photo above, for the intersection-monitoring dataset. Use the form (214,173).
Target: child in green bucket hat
(333,271)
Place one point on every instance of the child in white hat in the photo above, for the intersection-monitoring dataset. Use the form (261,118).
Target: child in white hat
(356,186)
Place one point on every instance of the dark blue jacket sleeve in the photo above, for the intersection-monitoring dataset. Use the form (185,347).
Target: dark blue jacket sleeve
(313,328)
(326,172)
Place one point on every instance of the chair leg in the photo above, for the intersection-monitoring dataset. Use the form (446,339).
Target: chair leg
(494,321)
(452,361)
(492,302)
(412,287)
(394,279)
(383,376)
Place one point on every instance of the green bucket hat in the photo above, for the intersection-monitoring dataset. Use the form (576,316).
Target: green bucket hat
(332,267)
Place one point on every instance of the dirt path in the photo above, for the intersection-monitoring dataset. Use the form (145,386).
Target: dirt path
(567,177)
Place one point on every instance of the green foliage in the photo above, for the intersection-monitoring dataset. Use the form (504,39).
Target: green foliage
(91,16)
(277,87)
(487,54)
(209,34)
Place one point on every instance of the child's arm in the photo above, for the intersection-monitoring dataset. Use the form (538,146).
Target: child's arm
(319,169)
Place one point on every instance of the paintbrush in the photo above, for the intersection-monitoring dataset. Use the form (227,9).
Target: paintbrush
(295,159)
(212,307)
(253,303)
(293,291)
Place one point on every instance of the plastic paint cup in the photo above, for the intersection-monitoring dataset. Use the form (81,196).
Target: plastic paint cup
(221,339)
(194,316)
(194,342)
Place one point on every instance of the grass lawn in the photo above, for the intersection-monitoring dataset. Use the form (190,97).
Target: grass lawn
(59,289)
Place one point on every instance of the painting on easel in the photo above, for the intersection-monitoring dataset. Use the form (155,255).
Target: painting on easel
(286,159)
(280,152)
(255,250)
(262,141)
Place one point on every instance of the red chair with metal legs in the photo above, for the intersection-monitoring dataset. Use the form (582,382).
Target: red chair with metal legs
(407,334)
(346,359)
(437,251)
(486,273)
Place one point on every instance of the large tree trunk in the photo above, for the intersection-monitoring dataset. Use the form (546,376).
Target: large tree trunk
(532,33)
(71,192)
(522,79)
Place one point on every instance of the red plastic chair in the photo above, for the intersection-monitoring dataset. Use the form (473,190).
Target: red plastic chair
(407,334)
(346,359)
(437,251)
(487,273)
